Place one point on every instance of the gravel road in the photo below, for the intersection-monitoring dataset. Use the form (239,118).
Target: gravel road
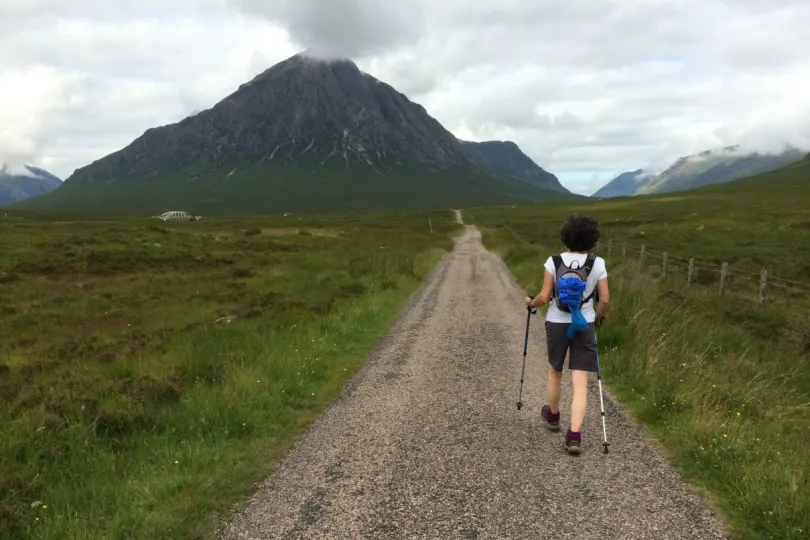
(427,442)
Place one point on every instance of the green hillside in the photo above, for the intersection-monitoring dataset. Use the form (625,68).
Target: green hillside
(794,178)
(261,189)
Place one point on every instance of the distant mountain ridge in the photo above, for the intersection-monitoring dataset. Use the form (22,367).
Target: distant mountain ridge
(505,157)
(26,184)
(305,135)
(699,170)
(716,167)
(624,185)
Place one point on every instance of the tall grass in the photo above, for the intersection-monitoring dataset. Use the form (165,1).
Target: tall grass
(723,387)
(128,412)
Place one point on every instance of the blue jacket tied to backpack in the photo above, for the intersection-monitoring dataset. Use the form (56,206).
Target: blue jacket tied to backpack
(569,290)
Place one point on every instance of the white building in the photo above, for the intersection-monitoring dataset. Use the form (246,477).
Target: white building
(176,215)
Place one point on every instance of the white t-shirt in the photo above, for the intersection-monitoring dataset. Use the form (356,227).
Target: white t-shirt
(598,272)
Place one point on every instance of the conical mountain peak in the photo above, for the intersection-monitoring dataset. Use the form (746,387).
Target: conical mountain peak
(311,122)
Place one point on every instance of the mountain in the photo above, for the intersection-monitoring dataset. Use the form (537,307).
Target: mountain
(25,184)
(716,167)
(624,185)
(793,178)
(305,135)
(505,157)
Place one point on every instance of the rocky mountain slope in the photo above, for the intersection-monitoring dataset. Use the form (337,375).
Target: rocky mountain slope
(699,170)
(21,185)
(716,167)
(305,135)
(505,157)
(624,185)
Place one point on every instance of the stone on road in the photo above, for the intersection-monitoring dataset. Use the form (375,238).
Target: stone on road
(427,442)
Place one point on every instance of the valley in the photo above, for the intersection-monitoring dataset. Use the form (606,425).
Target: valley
(143,353)
(333,348)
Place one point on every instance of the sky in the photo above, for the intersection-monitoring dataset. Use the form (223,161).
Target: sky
(587,88)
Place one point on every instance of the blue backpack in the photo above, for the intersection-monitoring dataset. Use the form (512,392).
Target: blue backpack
(569,290)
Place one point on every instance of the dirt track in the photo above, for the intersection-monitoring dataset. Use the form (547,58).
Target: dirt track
(427,441)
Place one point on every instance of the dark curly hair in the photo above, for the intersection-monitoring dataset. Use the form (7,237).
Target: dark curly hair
(580,233)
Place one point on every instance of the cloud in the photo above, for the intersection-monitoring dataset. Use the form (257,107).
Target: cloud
(343,28)
(15,170)
(587,88)
(74,89)
(641,176)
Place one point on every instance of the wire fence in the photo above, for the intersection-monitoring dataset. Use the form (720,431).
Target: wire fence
(762,287)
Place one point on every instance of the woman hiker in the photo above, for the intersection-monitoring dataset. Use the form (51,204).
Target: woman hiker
(580,235)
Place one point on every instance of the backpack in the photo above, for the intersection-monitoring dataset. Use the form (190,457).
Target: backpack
(570,282)
(569,287)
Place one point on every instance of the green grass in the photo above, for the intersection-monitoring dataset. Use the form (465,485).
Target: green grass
(259,189)
(723,387)
(753,224)
(126,411)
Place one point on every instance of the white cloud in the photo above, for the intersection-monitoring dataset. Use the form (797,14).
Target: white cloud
(75,88)
(588,88)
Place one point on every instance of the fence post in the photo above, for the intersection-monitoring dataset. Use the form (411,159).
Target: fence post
(723,277)
(642,254)
(610,246)
(763,282)
(691,273)
(624,249)
(666,264)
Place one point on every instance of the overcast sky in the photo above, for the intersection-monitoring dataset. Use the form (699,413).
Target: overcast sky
(587,88)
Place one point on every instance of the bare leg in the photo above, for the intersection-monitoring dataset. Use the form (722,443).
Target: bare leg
(579,379)
(554,379)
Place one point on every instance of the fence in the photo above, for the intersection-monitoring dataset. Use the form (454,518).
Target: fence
(761,286)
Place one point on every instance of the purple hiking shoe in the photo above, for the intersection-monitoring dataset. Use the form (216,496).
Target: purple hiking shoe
(552,420)
(572,442)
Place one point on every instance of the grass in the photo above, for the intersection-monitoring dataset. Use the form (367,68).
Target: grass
(723,387)
(261,189)
(753,224)
(130,407)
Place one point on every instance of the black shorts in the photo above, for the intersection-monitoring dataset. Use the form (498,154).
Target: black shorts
(583,347)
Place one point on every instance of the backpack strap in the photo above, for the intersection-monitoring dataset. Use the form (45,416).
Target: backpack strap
(558,264)
(559,268)
(590,260)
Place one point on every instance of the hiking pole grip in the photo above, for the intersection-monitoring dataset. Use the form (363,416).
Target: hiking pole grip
(532,310)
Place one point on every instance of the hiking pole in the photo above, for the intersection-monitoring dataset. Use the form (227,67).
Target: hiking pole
(525,348)
(601,401)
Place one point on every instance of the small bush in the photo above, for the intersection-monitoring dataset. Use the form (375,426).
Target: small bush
(8,278)
(243,273)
